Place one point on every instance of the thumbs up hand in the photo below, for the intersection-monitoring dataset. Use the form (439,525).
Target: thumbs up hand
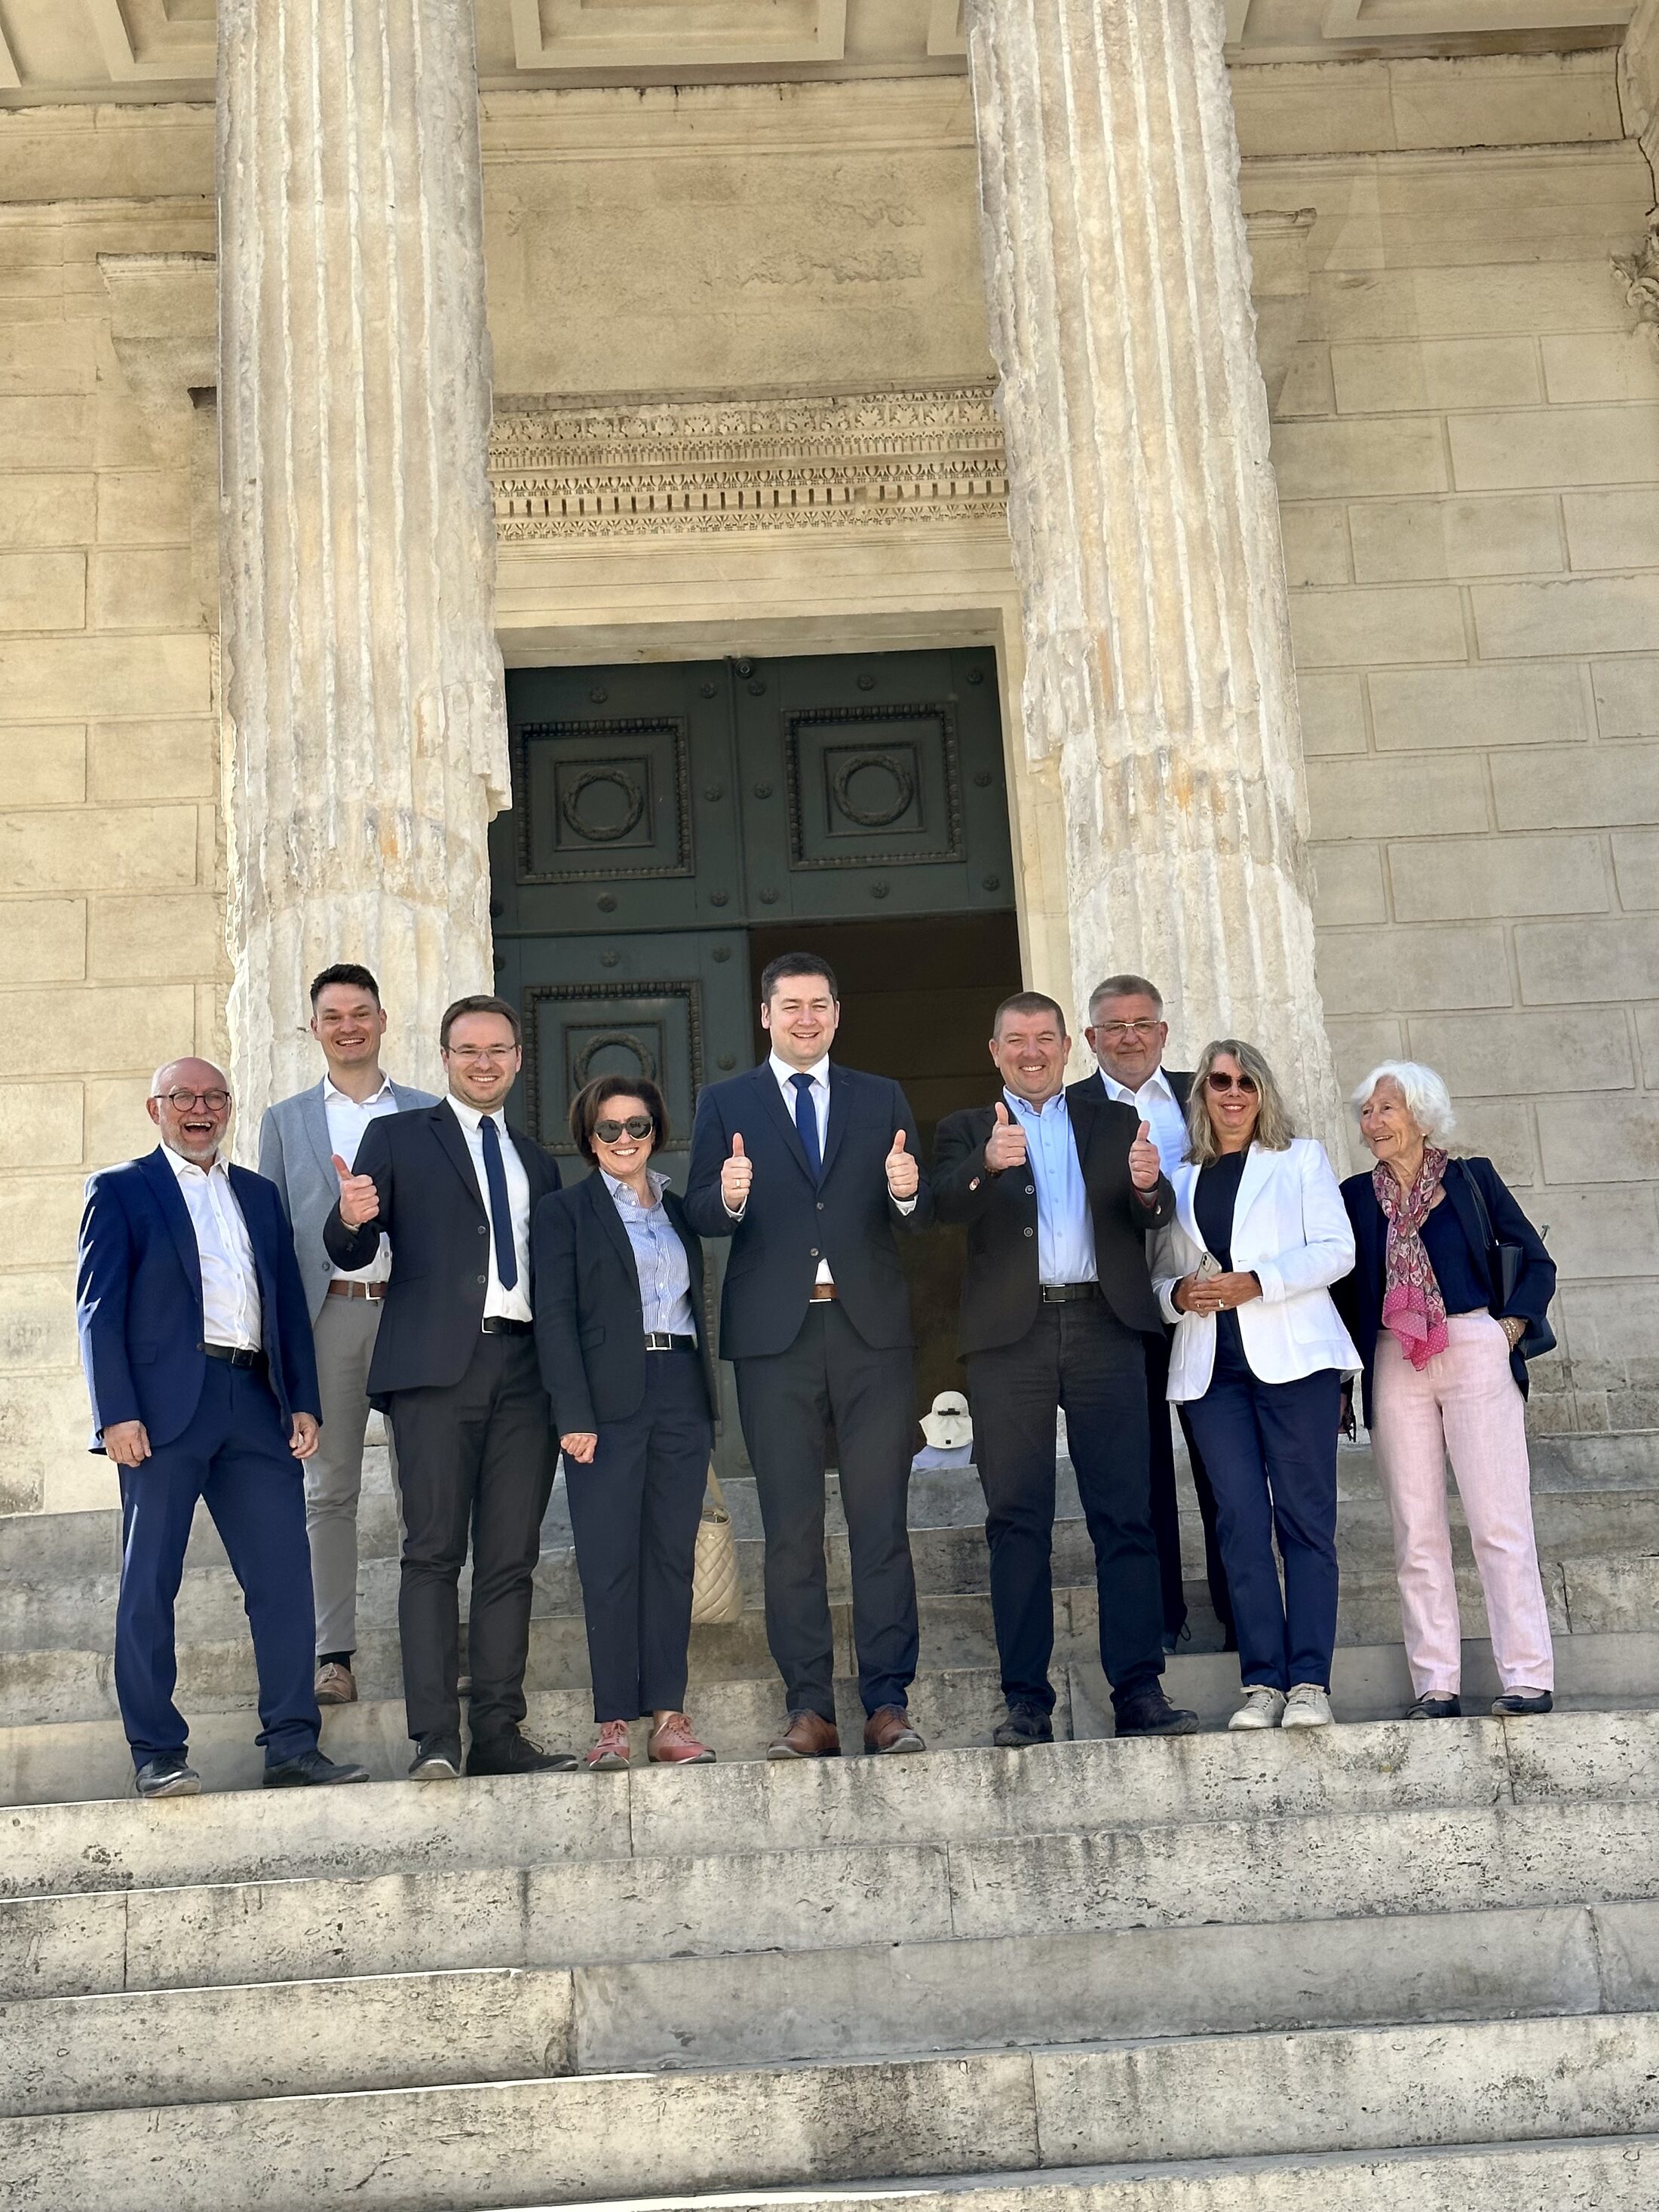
(1006,1145)
(903,1175)
(736,1176)
(1144,1165)
(359,1199)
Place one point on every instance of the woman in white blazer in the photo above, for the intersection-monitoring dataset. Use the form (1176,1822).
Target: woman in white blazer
(1259,1353)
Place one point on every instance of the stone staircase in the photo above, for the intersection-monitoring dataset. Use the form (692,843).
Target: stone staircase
(1409,1968)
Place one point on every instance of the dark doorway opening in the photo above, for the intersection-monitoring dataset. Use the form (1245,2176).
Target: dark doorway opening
(917,998)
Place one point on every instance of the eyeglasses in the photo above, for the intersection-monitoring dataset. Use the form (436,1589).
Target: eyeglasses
(1123,1032)
(1217,1081)
(182,1100)
(470,1055)
(637,1125)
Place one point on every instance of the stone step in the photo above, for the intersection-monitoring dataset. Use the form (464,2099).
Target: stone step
(1597,1594)
(575,2138)
(60,1762)
(1088,1788)
(183,2046)
(1272,1867)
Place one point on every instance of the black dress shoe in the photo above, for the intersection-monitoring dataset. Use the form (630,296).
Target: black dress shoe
(1523,1701)
(1431,1708)
(516,1754)
(1149,1712)
(1024,1725)
(437,1759)
(170,1776)
(312,1770)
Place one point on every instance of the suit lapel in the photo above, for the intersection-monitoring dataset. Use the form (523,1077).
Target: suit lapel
(315,1112)
(534,1164)
(176,1214)
(609,1219)
(452,1139)
(1258,1172)
(1461,1202)
(842,1088)
(676,1213)
(771,1102)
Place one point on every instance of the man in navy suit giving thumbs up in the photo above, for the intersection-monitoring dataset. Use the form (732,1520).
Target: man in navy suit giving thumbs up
(809,1168)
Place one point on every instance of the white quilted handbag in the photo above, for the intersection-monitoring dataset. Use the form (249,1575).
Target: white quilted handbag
(716,1597)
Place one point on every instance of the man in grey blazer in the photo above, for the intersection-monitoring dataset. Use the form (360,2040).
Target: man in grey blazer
(303,1141)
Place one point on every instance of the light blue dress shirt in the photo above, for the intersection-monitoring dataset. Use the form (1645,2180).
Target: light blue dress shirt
(660,1260)
(1065,1231)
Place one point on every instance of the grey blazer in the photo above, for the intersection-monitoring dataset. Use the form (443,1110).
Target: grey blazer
(295,1153)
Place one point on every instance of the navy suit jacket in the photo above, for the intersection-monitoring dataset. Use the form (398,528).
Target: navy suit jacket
(790,1223)
(139,1299)
(1360,1295)
(434,1212)
(590,1323)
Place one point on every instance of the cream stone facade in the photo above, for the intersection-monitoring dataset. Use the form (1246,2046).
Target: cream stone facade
(762,275)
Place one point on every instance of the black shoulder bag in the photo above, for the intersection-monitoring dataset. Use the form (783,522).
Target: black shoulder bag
(1538,1337)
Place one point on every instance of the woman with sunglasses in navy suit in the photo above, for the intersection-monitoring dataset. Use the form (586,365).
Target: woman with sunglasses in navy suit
(620,1335)
(1244,1272)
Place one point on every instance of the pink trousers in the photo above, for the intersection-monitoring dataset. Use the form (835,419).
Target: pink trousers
(1463,1405)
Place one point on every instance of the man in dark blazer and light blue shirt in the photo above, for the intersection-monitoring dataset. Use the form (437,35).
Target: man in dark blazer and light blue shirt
(1058,1189)
(300,1138)
(196,1347)
(809,1168)
(454,1369)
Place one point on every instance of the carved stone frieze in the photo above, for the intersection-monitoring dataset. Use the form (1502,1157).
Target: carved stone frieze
(1639,274)
(693,467)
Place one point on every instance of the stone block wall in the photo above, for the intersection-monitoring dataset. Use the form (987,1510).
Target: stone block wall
(1468,449)
(112,951)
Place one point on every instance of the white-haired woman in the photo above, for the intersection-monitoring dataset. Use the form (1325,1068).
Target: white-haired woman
(1258,1363)
(1445,1378)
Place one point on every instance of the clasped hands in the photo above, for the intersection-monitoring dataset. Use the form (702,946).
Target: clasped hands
(737,1173)
(1210,1294)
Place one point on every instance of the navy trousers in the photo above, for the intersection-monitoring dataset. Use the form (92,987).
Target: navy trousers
(1270,1448)
(234,1457)
(633,1513)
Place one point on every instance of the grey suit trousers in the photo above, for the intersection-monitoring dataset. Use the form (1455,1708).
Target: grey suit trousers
(343,1334)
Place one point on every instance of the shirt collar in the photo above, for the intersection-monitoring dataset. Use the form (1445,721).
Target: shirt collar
(625,1196)
(331,1090)
(819,1072)
(471,1117)
(1156,1081)
(1024,1107)
(181,1167)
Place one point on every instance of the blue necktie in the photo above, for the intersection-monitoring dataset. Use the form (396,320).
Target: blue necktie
(501,1212)
(806,1120)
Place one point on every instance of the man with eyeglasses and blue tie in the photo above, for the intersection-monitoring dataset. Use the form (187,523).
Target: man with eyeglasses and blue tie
(455,1371)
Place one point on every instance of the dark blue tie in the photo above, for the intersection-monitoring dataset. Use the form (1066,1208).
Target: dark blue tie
(501,1212)
(806,1120)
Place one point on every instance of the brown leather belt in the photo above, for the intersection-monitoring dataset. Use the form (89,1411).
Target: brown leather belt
(821,1292)
(340,1289)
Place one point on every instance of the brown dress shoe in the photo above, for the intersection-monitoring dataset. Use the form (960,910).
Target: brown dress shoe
(888,1730)
(808,1735)
(336,1685)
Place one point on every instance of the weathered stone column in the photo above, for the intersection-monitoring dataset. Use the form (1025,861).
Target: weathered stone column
(1144,514)
(363,682)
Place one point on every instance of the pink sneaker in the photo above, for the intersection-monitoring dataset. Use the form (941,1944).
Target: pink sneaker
(673,1744)
(609,1752)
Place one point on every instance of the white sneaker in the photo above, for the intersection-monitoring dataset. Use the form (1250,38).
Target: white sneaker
(1263,1707)
(1308,1706)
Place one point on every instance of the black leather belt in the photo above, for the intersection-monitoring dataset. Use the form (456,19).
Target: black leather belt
(500,1325)
(234,1355)
(1061,1294)
(658,1339)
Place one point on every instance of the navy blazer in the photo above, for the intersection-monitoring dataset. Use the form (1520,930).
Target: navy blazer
(790,1223)
(999,1288)
(432,1209)
(138,1300)
(1360,1295)
(590,1322)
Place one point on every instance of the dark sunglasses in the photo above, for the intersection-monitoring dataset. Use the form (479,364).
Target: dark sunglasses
(636,1125)
(1219,1082)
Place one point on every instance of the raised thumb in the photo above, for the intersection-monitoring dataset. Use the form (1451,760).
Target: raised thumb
(1143,1133)
(1002,1115)
(898,1142)
(340,1168)
(737,1144)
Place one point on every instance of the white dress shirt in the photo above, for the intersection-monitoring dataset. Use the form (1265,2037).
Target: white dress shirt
(347,1120)
(513,1304)
(784,1075)
(231,1311)
(1157,1104)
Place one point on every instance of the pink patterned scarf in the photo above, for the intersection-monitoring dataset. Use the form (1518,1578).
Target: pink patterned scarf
(1413,1310)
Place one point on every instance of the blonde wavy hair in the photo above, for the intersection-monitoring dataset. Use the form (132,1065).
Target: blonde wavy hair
(1273,1126)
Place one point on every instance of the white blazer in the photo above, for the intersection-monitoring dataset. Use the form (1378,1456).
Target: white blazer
(1290,1229)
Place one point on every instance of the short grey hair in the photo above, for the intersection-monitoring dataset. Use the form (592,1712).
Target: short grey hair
(1427,1099)
(1124,987)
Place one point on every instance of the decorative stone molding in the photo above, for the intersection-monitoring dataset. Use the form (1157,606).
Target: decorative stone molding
(694,467)
(1639,274)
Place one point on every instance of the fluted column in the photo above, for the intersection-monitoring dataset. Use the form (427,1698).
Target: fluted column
(363,682)
(1144,515)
